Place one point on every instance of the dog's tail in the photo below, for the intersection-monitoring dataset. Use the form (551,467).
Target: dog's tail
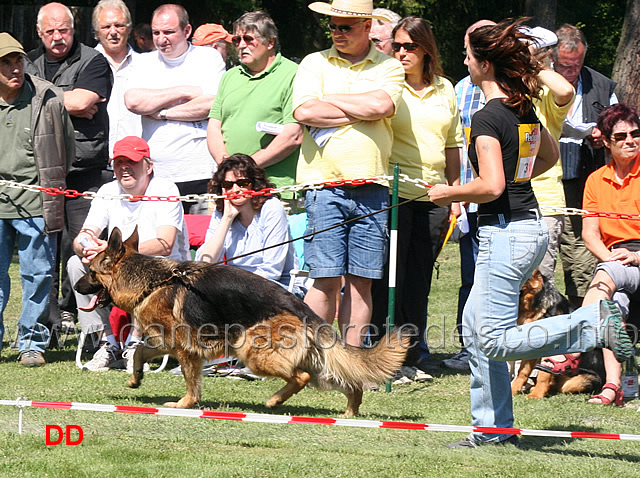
(352,368)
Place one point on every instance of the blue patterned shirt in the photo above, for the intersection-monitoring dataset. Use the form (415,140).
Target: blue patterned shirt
(470,100)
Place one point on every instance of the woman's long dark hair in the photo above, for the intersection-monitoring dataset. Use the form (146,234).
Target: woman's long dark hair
(241,165)
(420,32)
(506,47)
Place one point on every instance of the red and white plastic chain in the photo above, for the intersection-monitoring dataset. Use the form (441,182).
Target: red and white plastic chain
(71,193)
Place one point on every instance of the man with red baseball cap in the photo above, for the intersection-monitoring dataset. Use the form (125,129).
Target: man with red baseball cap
(213,35)
(161,229)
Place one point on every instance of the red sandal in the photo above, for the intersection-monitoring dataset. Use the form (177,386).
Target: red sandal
(569,366)
(607,401)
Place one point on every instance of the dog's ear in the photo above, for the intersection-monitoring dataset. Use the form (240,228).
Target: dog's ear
(115,248)
(536,282)
(133,240)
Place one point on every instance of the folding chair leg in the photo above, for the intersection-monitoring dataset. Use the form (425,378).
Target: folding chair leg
(81,339)
(163,364)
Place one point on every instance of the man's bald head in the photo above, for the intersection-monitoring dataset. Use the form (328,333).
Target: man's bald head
(475,26)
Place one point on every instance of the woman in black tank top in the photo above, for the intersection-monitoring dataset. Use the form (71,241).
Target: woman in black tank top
(508,147)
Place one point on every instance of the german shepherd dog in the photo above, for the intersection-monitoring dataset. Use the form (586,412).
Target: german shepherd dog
(195,311)
(539,299)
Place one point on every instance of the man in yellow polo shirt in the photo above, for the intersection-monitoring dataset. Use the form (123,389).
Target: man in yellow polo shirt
(346,95)
(552,107)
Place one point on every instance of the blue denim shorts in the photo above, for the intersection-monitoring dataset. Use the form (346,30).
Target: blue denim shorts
(358,248)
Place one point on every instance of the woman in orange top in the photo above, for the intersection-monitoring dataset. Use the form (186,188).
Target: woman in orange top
(614,242)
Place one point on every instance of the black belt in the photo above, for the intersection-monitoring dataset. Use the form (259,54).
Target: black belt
(633,245)
(499,219)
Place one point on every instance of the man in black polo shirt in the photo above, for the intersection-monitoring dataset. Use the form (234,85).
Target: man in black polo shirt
(85,77)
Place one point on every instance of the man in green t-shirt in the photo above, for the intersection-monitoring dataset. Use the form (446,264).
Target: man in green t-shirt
(252,112)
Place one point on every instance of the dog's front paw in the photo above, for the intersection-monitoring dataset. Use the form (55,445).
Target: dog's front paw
(534,394)
(349,414)
(134,381)
(273,402)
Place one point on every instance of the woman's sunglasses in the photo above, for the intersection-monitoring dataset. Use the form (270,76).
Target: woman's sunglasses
(395,46)
(242,183)
(344,28)
(617,137)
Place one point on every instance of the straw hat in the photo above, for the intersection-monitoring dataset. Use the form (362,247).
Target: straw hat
(347,9)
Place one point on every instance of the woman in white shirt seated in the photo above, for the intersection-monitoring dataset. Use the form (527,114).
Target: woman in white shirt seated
(245,224)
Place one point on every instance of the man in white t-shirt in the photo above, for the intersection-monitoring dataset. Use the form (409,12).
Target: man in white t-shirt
(111,21)
(173,89)
(161,229)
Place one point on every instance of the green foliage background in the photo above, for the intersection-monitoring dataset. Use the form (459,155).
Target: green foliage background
(302,32)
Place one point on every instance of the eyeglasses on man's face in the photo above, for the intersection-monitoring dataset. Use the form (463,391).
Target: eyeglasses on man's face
(246,38)
(118,26)
(345,28)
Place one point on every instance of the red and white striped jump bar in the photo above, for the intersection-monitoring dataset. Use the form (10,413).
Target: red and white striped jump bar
(285,419)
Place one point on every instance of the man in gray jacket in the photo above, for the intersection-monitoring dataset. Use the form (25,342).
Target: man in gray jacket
(39,147)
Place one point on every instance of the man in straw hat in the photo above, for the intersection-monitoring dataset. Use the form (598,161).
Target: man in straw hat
(346,95)
(39,146)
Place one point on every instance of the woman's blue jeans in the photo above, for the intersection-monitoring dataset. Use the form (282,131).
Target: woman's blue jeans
(508,255)
(36,252)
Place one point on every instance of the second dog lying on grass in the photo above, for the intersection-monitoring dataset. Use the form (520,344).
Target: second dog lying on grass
(196,311)
(539,299)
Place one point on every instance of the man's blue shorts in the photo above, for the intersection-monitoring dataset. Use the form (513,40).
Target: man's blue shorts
(358,248)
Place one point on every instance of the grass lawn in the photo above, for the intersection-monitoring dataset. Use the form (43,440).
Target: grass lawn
(138,445)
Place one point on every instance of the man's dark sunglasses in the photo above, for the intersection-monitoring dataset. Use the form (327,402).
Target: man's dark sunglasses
(247,39)
(344,28)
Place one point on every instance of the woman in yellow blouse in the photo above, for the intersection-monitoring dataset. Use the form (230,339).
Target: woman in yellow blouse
(427,145)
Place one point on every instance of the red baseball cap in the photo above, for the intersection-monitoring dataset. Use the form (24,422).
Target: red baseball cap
(210,33)
(131,147)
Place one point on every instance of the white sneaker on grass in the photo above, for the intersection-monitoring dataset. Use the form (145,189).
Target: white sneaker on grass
(105,355)
(127,356)
(422,376)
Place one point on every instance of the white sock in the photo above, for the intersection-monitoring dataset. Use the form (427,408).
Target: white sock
(112,341)
(132,340)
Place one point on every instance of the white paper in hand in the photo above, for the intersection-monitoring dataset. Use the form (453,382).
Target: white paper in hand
(269,128)
(321,135)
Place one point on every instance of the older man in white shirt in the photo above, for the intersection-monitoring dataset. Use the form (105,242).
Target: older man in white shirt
(112,25)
